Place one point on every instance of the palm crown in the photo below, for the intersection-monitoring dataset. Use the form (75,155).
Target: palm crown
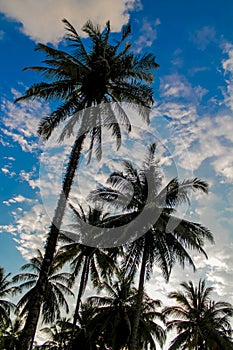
(200,322)
(6,289)
(56,287)
(96,263)
(163,237)
(114,316)
(105,73)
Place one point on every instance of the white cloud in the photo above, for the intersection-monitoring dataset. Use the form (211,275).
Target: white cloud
(2,34)
(227,65)
(203,37)
(12,159)
(5,170)
(41,20)
(30,178)
(32,227)
(148,35)
(207,137)
(21,122)
(175,86)
(177,60)
(12,229)
(17,199)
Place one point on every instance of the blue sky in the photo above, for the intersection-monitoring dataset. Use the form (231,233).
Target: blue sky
(192,117)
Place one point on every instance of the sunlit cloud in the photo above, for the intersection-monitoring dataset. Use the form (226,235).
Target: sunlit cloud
(30,15)
(227,65)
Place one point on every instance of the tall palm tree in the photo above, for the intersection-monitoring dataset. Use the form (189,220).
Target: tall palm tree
(114,316)
(167,238)
(202,324)
(56,286)
(99,264)
(6,289)
(82,79)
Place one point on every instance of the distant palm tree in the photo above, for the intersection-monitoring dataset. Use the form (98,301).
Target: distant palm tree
(59,335)
(9,335)
(106,72)
(87,336)
(167,238)
(56,286)
(202,324)
(6,289)
(96,263)
(113,316)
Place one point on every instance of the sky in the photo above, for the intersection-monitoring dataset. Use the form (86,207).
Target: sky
(191,121)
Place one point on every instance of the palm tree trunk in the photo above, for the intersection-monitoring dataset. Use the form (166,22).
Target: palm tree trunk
(29,330)
(82,286)
(137,314)
(81,290)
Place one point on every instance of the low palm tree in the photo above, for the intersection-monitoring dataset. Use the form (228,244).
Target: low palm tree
(99,264)
(9,335)
(81,79)
(165,238)
(114,312)
(56,286)
(6,289)
(87,336)
(59,335)
(201,323)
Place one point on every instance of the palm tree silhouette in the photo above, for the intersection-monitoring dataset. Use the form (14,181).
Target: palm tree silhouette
(165,238)
(56,286)
(82,80)
(59,335)
(200,322)
(114,314)
(9,334)
(96,263)
(6,289)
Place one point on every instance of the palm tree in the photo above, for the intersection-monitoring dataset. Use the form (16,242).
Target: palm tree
(59,335)
(165,238)
(9,335)
(114,316)
(202,324)
(6,306)
(97,263)
(56,286)
(82,79)
(84,339)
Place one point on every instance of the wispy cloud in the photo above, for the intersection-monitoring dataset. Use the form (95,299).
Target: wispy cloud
(2,34)
(148,34)
(227,65)
(20,122)
(203,37)
(18,199)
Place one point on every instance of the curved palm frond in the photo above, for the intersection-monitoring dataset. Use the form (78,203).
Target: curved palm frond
(198,320)
(56,287)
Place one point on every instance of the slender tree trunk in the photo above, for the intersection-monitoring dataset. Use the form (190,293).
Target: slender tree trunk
(29,330)
(81,290)
(137,313)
